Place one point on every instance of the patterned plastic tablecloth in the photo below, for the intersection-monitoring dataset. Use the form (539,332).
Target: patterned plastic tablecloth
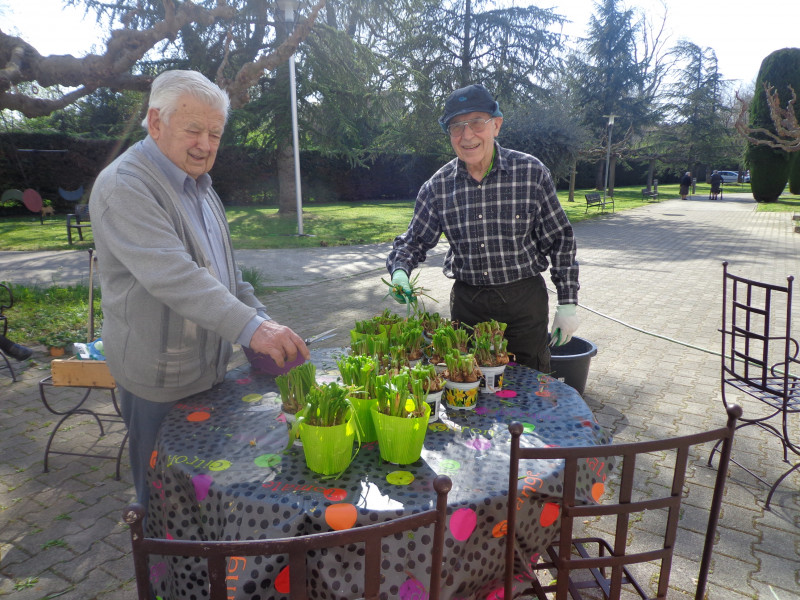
(220,472)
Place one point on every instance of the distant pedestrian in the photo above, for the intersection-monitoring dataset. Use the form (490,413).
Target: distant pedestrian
(716,184)
(686,183)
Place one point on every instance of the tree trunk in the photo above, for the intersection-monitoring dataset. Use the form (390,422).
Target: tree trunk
(650,172)
(612,168)
(600,174)
(573,173)
(287,203)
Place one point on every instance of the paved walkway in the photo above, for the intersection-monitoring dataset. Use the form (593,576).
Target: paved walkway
(651,285)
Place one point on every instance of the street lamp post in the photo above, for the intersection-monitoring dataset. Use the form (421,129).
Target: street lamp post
(608,152)
(289,6)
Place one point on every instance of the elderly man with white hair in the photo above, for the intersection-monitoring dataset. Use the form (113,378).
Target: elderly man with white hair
(174,299)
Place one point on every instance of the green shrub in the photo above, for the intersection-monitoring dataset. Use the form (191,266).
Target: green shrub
(770,168)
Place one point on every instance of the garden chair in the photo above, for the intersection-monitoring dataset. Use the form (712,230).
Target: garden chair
(6,302)
(78,220)
(215,554)
(583,563)
(758,357)
(88,375)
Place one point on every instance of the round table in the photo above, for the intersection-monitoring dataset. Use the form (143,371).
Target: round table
(220,472)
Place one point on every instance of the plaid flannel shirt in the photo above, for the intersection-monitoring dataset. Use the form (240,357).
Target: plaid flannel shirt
(501,230)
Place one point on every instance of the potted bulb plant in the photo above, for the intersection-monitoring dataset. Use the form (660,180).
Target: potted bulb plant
(463,380)
(400,418)
(359,373)
(411,338)
(490,350)
(432,384)
(327,427)
(293,387)
(442,342)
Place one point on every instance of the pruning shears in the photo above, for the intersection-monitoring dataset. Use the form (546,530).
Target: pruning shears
(320,336)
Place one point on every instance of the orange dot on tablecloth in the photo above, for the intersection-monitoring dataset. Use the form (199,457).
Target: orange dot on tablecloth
(153,458)
(198,416)
(500,529)
(598,489)
(549,514)
(282,581)
(341,516)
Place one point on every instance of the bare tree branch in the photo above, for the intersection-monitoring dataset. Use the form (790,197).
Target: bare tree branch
(787,129)
(21,63)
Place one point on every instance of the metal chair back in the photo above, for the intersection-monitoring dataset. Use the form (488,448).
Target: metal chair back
(759,355)
(216,554)
(582,562)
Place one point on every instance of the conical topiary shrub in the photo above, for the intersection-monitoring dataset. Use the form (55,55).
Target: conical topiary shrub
(771,168)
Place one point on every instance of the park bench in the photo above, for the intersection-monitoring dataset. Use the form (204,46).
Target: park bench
(595,200)
(648,194)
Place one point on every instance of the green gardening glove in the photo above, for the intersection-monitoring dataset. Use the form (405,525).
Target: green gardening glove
(564,324)
(401,288)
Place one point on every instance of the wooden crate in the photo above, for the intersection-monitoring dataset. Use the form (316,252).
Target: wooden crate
(81,373)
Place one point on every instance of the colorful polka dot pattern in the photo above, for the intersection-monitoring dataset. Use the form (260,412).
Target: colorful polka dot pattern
(220,472)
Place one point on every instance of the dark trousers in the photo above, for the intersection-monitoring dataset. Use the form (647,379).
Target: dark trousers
(522,305)
(143,418)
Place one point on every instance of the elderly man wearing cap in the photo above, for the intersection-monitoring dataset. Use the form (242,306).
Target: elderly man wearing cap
(499,211)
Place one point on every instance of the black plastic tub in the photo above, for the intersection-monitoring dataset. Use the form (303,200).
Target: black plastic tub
(570,363)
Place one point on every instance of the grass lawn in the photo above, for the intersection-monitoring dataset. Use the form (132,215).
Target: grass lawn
(334,224)
(331,224)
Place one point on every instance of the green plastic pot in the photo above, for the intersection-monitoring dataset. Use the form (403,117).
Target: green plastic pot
(328,450)
(400,440)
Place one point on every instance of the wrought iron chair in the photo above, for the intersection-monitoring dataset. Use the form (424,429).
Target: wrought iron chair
(582,563)
(217,553)
(758,355)
(6,302)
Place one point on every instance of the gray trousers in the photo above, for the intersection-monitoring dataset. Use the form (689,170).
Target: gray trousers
(522,305)
(143,419)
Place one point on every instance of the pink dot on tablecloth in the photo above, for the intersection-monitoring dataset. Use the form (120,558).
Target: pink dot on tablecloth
(479,444)
(463,523)
(506,394)
(481,410)
(201,484)
(412,589)
(243,380)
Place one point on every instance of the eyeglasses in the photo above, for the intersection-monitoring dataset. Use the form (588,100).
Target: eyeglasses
(476,125)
